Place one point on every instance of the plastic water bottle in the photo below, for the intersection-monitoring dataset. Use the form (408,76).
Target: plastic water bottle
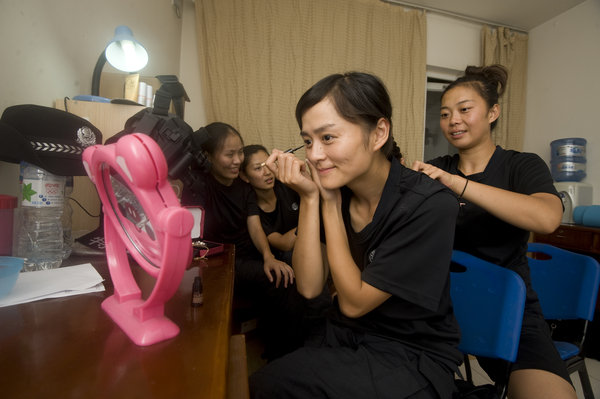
(67,219)
(568,160)
(40,233)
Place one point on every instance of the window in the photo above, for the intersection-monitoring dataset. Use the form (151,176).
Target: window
(435,144)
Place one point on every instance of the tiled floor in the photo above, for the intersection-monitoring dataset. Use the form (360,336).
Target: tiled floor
(254,349)
(593,367)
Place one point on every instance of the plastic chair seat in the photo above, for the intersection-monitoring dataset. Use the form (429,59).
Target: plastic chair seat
(566,349)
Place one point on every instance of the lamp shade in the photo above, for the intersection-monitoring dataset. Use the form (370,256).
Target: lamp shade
(124,52)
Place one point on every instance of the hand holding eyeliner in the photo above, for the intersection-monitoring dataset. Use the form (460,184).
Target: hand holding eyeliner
(289,150)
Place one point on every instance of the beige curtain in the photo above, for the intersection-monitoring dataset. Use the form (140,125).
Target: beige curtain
(502,46)
(258,57)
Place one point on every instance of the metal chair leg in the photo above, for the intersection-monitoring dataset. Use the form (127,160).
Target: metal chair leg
(585,383)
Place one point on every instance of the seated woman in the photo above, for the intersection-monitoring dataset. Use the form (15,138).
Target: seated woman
(279,207)
(232,216)
(278,203)
(388,232)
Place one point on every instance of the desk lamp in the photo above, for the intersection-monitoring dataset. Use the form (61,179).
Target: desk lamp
(142,217)
(122,52)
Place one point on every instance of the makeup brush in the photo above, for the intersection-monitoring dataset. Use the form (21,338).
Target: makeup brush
(292,150)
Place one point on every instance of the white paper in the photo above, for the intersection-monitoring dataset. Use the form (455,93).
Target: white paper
(54,283)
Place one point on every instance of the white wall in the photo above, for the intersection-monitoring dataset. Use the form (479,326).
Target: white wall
(452,44)
(49,49)
(563,88)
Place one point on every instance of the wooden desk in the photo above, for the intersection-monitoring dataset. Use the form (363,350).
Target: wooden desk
(573,237)
(69,348)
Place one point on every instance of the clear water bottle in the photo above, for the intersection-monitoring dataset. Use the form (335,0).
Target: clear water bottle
(67,219)
(40,233)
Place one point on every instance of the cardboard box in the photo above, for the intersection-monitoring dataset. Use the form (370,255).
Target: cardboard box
(123,85)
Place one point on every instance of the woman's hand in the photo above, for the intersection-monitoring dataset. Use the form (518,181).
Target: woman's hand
(293,172)
(280,269)
(447,179)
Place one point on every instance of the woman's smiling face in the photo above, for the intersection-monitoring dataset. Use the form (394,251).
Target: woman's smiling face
(465,117)
(226,161)
(336,147)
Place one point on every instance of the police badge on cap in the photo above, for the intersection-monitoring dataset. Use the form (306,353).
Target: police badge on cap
(47,137)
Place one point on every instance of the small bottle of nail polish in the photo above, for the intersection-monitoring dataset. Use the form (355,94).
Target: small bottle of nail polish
(197,292)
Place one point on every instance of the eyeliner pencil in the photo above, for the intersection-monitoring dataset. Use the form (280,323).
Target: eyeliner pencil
(292,150)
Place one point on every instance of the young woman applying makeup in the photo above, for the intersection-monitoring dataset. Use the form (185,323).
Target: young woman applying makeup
(388,234)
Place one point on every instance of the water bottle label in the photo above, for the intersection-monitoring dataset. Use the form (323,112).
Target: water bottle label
(571,150)
(570,167)
(46,193)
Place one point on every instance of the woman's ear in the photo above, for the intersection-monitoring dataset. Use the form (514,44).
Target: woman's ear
(494,113)
(380,134)
(244,177)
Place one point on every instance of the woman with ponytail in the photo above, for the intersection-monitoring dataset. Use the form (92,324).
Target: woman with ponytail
(503,195)
(384,234)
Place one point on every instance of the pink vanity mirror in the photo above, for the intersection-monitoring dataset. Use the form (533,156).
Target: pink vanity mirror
(142,217)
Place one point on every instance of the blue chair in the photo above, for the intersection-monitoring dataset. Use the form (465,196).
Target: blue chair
(489,301)
(567,286)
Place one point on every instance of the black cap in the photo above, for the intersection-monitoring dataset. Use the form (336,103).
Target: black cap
(47,137)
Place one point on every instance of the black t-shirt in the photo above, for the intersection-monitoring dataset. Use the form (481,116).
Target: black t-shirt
(227,209)
(405,251)
(285,215)
(484,235)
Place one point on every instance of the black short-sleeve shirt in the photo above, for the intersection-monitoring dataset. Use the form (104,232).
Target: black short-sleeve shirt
(285,216)
(405,251)
(484,235)
(227,209)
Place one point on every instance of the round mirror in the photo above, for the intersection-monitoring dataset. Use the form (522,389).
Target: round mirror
(131,216)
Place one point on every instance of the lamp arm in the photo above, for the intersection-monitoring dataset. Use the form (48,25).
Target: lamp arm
(97,73)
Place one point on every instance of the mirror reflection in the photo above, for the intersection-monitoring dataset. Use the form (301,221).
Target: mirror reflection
(131,215)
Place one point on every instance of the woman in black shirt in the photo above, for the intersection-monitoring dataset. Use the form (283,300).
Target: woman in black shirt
(388,233)
(503,195)
(232,216)
(278,203)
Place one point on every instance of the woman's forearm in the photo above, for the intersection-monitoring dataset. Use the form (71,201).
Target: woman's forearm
(309,268)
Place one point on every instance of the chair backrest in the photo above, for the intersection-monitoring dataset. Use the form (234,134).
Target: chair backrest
(566,283)
(488,303)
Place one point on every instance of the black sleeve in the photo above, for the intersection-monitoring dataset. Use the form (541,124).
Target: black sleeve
(413,261)
(251,201)
(529,174)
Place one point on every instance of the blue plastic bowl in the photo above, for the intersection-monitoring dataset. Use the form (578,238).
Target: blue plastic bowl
(10,267)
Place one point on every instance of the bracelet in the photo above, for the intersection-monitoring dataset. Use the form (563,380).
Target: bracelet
(464,189)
